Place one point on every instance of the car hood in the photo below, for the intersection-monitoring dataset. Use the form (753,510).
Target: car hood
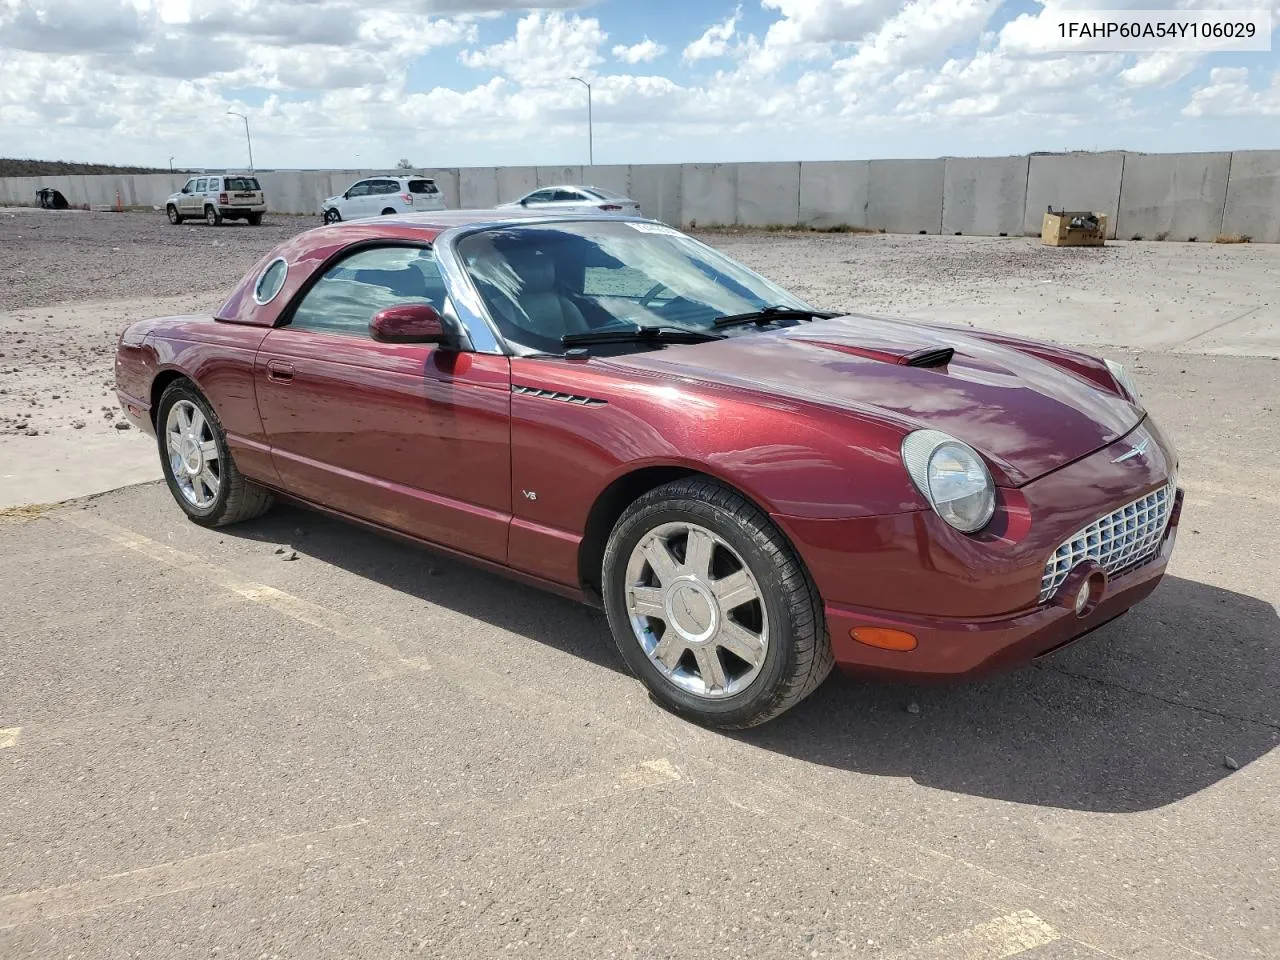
(1026,415)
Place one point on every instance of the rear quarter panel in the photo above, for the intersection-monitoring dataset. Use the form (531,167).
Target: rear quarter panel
(219,359)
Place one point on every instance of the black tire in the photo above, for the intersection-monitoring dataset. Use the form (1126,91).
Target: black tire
(388,212)
(174,216)
(212,216)
(332,216)
(255,219)
(798,656)
(237,498)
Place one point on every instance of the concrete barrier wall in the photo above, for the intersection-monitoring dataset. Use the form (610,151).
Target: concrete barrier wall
(709,193)
(905,196)
(658,188)
(1077,181)
(768,194)
(477,188)
(1174,196)
(834,193)
(1253,196)
(984,196)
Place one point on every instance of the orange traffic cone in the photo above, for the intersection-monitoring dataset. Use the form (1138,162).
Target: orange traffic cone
(119,203)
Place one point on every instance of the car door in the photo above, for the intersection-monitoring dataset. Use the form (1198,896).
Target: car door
(356,201)
(194,202)
(415,437)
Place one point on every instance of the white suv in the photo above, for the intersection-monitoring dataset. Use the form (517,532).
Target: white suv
(229,197)
(375,196)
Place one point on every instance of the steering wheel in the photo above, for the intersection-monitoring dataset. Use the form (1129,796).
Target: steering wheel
(653,292)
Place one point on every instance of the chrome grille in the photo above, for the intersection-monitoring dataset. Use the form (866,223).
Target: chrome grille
(1121,540)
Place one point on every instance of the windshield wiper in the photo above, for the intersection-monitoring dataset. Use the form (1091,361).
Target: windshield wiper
(639,334)
(770,314)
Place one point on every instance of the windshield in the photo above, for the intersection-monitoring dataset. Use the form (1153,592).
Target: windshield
(542,282)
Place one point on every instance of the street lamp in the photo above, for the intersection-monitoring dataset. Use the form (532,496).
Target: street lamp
(232,113)
(171,164)
(591,152)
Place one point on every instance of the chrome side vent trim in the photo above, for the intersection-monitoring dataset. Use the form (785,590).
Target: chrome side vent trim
(573,398)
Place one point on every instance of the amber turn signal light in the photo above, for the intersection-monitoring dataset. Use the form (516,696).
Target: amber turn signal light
(884,638)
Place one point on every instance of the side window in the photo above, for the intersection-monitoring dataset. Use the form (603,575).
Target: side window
(202,185)
(346,297)
(190,187)
(569,195)
(215,184)
(360,189)
(541,196)
(386,186)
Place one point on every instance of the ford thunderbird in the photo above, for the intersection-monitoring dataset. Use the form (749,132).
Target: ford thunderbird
(754,489)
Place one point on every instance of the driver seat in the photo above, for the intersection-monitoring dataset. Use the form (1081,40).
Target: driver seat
(550,313)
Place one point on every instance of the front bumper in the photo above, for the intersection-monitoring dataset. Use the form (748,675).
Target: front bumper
(962,648)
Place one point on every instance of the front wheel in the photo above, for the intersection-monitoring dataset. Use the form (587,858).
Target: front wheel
(711,607)
(197,464)
(332,216)
(174,216)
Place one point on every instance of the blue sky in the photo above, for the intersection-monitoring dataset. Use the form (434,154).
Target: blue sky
(332,83)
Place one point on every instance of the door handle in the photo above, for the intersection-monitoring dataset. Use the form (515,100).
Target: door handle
(279,371)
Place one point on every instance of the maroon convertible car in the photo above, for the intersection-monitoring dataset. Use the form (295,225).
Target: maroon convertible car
(753,489)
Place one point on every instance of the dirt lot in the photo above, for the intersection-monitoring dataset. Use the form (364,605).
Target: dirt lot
(373,752)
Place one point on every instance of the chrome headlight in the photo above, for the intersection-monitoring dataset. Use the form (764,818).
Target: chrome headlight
(1126,381)
(952,477)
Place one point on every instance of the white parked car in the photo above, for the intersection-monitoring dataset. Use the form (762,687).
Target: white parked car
(574,199)
(374,196)
(214,199)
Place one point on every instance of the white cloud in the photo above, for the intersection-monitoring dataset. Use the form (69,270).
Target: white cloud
(646,51)
(1160,69)
(1228,94)
(923,30)
(546,48)
(714,42)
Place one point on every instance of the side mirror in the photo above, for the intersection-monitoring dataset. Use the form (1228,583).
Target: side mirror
(524,201)
(412,323)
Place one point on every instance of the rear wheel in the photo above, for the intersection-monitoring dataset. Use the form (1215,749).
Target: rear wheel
(212,216)
(255,219)
(711,608)
(388,212)
(174,216)
(197,464)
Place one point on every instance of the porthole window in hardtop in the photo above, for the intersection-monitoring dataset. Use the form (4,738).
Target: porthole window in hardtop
(270,282)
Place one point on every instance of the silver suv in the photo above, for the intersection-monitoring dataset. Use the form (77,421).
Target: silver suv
(214,199)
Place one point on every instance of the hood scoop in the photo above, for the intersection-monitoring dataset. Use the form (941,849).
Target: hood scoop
(924,357)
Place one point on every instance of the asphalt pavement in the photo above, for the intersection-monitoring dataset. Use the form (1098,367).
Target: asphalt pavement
(207,750)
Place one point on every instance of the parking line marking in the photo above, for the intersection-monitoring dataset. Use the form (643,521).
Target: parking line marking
(371,638)
(176,876)
(1007,936)
(234,865)
(9,737)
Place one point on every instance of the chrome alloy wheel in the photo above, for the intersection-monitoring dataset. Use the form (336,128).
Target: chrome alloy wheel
(193,452)
(697,610)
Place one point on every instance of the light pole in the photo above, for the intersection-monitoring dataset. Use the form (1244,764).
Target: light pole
(171,164)
(591,150)
(232,113)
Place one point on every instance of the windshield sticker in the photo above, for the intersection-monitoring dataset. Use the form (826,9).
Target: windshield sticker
(654,228)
